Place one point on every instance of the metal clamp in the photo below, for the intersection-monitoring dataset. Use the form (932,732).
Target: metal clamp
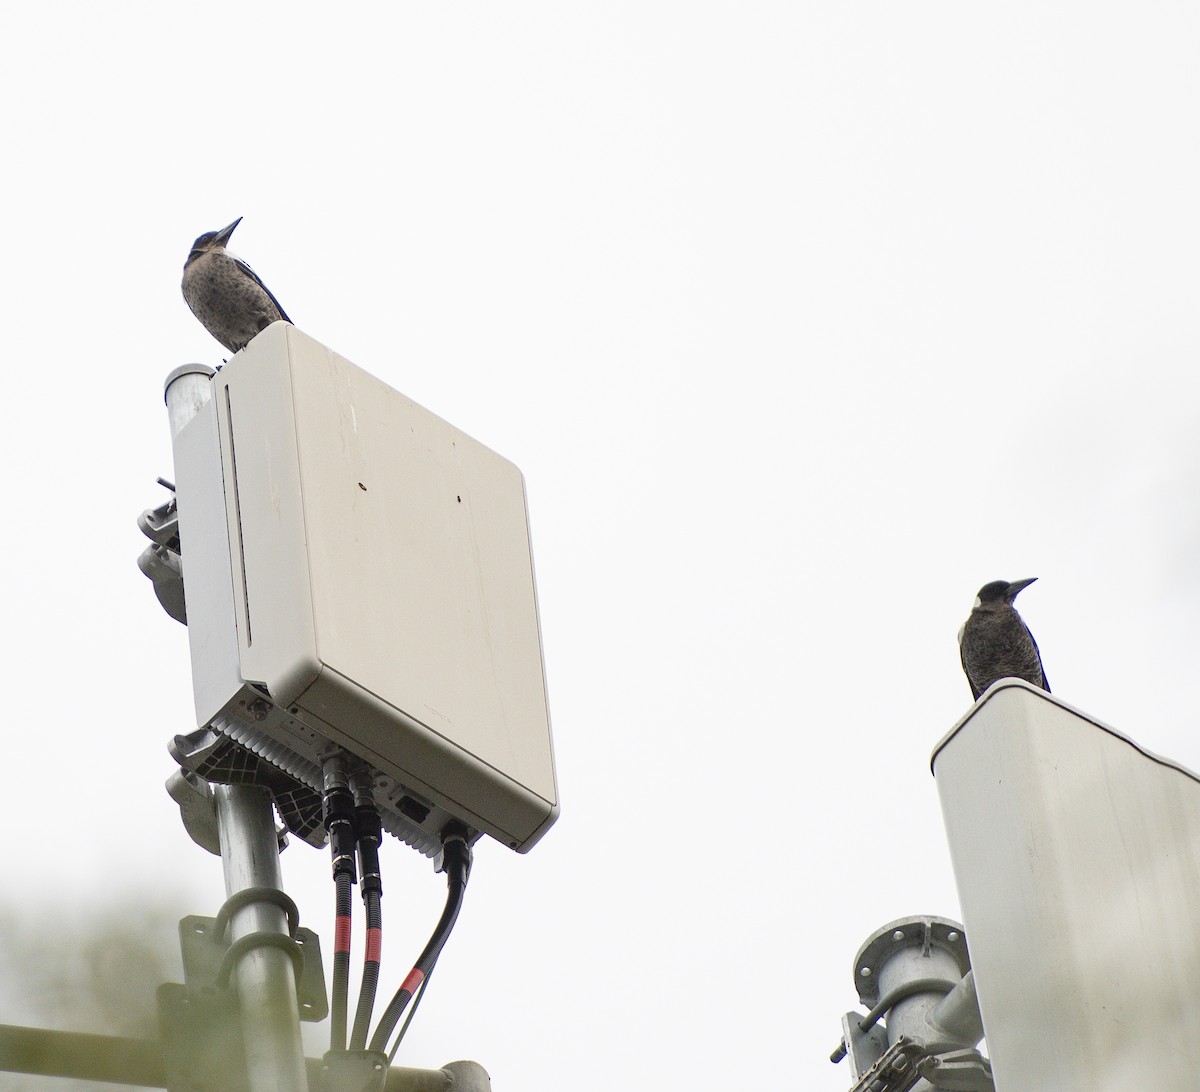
(249,895)
(208,959)
(246,897)
(162,561)
(250,941)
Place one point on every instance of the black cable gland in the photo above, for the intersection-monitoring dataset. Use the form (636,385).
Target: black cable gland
(369,827)
(337,806)
(368,823)
(337,803)
(341,849)
(371,880)
(456,856)
(368,863)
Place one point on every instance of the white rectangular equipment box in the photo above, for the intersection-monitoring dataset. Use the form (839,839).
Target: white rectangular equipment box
(1077,859)
(358,572)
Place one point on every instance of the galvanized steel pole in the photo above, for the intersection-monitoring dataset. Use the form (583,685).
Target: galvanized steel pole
(264,976)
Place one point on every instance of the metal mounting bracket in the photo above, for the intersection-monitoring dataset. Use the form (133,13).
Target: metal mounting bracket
(958,1071)
(162,561)
(218,759)
(896,1071)
(354,1071)
(205,949)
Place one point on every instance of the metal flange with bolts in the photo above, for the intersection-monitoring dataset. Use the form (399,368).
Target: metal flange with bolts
(914,975)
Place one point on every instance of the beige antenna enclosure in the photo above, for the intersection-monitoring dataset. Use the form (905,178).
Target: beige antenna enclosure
(366,567)
(1077,858)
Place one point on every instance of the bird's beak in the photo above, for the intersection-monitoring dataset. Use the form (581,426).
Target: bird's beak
(1016,586)
(223,235)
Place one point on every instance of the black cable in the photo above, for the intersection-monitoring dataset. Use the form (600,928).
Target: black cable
(338,809)
(421,970)
(370,974)
(369,831)
(341,965)
(411,1013)
(456,861)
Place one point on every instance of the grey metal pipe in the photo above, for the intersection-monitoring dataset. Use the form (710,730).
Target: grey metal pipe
(140,1062)
(186,389)
(465,1077)
(915,972)
(910,1016)
(265,977)
(83,1056)
(957,1014)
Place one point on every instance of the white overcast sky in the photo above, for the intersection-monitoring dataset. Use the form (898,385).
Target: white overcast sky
(802,320)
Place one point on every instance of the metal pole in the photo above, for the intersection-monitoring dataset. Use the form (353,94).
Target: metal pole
(904,972)
(265,976)
(186,389)
(83,1056)
(465,1077)
(140,1062)
(958,1012)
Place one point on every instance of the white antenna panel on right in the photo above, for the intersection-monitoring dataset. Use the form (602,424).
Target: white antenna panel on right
(1077,858)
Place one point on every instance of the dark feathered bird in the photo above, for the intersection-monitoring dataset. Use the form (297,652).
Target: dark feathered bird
(995,644)
(225,294)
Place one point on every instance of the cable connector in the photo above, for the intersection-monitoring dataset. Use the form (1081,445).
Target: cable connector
(456,855)
(368,827)
(337,806)
(455,860)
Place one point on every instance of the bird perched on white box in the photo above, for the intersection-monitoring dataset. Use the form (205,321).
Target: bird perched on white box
(225,294)
(995,643)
